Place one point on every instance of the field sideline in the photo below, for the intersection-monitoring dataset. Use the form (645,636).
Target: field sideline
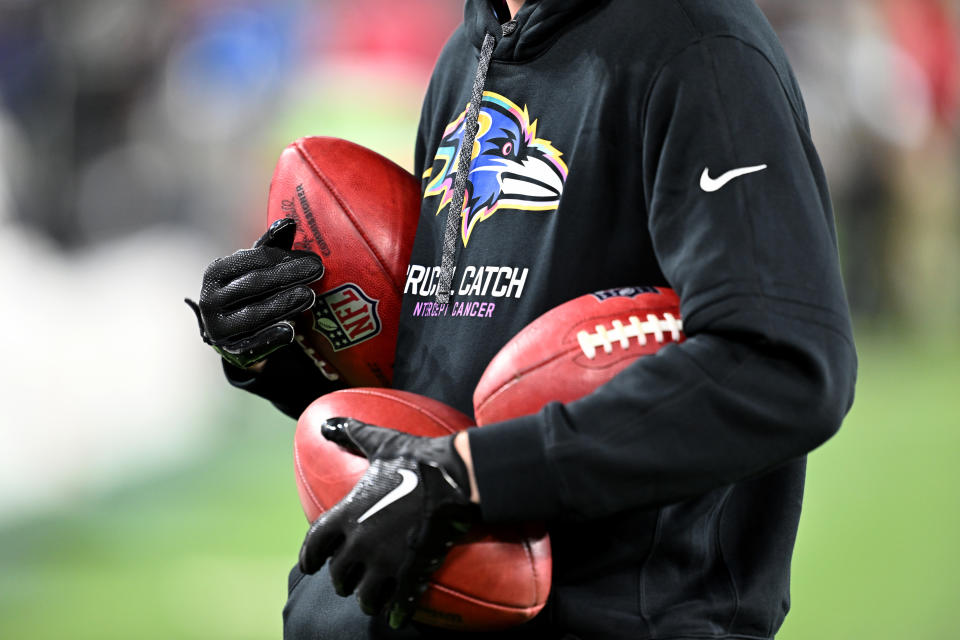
(203,552)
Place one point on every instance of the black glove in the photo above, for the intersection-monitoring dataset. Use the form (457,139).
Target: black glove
(395,527)
(249,298)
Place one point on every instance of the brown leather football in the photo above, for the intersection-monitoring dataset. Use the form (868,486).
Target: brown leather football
(497,578)
(358,211)
(574,348)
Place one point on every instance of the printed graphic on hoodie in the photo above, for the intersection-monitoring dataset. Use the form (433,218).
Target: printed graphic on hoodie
(486,282)
(511,168)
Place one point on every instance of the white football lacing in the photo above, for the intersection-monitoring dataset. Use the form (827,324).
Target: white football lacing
(325,368)
(622,333)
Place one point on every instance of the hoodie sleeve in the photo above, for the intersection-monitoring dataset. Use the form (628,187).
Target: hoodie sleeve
(289,380)
(767,372)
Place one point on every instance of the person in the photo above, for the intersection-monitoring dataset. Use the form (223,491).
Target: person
(587,145)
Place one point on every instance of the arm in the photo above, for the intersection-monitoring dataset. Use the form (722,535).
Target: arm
(288,378)
(461,442)
(768,369)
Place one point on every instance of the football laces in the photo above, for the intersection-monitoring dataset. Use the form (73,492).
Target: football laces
(635,328)
(325,367)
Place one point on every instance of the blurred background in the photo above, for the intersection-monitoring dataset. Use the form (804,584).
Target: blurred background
(142,497)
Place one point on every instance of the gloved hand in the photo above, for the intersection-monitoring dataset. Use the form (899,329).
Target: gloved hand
(249,298)
(395,527)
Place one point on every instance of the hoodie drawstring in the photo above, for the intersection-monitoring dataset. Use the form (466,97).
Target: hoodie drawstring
(448,263)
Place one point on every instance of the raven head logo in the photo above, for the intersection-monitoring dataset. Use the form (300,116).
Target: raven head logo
(511,168)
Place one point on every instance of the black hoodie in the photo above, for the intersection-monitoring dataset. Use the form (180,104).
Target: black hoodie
(620,143)
(606,133)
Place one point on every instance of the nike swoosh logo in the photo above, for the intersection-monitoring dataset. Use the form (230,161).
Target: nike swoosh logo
(710,185)
(408,482)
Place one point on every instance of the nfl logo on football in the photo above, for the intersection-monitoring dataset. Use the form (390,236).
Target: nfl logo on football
(346,316)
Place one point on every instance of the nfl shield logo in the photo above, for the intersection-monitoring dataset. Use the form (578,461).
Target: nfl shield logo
(346,316)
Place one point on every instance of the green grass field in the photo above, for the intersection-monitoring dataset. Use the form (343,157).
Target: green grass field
(877,554)
(203,552)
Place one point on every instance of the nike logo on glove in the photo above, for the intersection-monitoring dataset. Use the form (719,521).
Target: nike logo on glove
(710,185)
(408,482)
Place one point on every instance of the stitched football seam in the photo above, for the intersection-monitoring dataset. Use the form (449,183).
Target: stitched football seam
(486,603)
(514,378)
(403,401)
(306,485)
(381,262)
(533,569)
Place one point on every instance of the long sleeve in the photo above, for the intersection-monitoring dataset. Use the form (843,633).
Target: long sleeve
(289,380)
(768,370)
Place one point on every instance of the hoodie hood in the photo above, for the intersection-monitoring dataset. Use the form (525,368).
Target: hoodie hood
(539,24)
(534,29)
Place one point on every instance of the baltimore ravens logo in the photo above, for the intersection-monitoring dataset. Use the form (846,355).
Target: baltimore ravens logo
(511,168)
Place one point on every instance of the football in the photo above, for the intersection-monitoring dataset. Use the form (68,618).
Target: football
(358,211)
(574,348)
(497,578)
